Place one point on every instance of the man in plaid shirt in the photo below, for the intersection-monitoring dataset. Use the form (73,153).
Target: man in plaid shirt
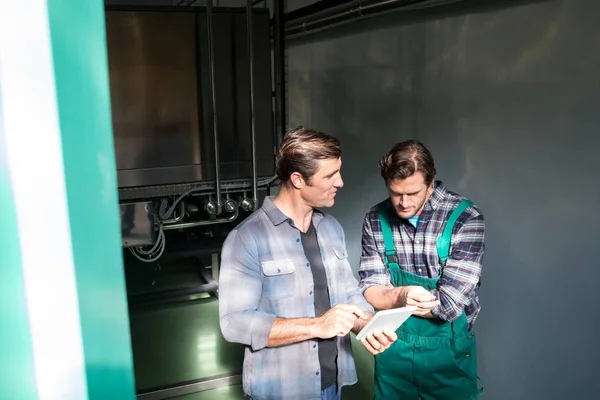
(403,264)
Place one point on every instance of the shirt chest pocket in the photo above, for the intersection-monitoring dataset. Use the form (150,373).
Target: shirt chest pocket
(278,279)
(340,253)
(341,265)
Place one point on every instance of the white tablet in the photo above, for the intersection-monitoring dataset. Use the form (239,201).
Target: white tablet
(387,319)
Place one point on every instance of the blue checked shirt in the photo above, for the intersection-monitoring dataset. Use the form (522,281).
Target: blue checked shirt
(265,274)
(417,254)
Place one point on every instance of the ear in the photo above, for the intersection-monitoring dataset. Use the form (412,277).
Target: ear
(297,180)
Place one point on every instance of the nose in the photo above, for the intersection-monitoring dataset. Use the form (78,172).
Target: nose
(339,183)
(401,201)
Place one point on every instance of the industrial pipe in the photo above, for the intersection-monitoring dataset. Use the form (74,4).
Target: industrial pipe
(352,11)
(250,36)
(279,66)
(185,225)
(177,217)
(211,61)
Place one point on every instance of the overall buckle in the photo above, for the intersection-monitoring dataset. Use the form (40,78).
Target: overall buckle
(392,258)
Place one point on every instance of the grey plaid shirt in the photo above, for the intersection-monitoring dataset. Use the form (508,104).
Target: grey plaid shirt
(417,254)
(265,274)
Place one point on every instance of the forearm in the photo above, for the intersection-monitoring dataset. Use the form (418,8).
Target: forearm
(455,290)
(288,331)
(452,303)
(381,297)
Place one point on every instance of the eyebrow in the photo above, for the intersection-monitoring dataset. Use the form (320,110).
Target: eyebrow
(408,194)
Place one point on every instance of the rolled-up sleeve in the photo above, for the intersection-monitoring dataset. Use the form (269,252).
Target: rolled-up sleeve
(462,272)
(240,290)
(372,270)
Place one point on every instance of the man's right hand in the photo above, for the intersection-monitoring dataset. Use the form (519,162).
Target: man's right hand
(338,321)
(416,296)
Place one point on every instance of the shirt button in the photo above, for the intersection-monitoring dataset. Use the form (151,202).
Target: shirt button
(420,270)
(297,240)
(317,372)
(418,241)
(310,292)
(308,264)
(314,346)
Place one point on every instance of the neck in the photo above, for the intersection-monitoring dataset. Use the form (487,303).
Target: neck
(293,206)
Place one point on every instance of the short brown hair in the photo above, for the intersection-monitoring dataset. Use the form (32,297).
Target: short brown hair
(300,151)
(405,159)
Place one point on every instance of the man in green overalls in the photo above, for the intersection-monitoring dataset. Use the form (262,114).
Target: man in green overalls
(423,246)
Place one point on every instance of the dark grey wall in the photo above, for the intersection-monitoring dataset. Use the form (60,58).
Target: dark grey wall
(507,100)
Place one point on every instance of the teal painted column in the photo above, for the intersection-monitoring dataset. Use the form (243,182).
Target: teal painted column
(67,325)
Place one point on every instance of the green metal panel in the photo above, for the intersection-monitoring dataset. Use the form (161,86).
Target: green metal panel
(66,327)
(16,364)
(82,89)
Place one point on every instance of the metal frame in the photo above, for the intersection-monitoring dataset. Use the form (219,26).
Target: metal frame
(188,387)
(217,167)
(229,186)
(250,37)
(213,103)
(211,286)
(279,67)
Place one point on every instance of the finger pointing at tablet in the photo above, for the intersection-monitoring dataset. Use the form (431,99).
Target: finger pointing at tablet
(338,321)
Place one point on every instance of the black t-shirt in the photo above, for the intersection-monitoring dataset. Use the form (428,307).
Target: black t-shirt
(327,347)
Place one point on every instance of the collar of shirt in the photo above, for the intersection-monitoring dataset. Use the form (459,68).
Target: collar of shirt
(277,217)
(438,196)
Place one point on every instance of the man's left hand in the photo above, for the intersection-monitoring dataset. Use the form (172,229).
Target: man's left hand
(378,342)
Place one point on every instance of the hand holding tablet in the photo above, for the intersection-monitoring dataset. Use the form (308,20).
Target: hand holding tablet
(389,320)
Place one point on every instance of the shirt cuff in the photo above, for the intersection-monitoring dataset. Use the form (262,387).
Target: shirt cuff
(261,328)
(437,311)
(365,284)
(366,307)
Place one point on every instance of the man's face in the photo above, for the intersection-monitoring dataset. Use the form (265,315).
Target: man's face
(408,196)
(320,190)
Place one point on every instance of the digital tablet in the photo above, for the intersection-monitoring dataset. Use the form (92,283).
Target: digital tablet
(386,320)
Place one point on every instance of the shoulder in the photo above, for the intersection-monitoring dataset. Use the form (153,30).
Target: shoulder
(373,212)
(252,221)
(251,227)
(453,199)
(470,222)
(328,221)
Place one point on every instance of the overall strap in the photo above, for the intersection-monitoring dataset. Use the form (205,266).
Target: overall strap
(443,242)
(388,238)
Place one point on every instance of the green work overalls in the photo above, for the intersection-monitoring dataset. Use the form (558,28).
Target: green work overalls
(432,359)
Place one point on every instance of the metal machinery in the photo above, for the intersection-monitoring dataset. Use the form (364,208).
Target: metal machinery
(193,122)
(197,115)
